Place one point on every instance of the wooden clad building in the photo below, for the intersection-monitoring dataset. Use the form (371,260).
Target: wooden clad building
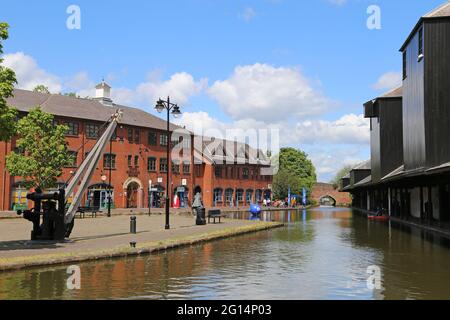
(386,133)
(410,153)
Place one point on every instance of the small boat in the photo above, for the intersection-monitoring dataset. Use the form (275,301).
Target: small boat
(378,218)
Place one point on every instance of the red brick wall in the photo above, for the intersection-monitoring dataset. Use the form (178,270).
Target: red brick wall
(324,189)
(208,183)
(4,177)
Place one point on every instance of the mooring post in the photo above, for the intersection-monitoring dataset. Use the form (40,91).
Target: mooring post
(133,226)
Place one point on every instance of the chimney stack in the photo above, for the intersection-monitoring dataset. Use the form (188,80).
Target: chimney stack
(103,94)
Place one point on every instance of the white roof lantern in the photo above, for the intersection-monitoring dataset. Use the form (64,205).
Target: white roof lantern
(103,93)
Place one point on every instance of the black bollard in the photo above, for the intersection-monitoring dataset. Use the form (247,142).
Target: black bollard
(133,226)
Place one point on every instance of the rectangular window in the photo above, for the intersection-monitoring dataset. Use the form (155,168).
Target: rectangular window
(163,165)
(405,75)
(175,168)
(186,168)
(174,143)
(151,164)
(163,139)
(92,131)
(109,161)
(130,159)
(130,135)
(152,138)
(218,171)
(198,170)
(421,43)
(137,136)
(73,159)
(245,174)
(136,161)
(73,128)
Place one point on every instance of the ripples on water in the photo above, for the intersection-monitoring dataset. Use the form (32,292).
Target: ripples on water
(320,254)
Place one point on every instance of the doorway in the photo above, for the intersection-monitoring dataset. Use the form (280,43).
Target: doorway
(132,195)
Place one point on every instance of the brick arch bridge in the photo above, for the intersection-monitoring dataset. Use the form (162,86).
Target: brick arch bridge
(321,190)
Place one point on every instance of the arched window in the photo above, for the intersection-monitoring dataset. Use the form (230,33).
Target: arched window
(258,195)
(240,195)
(218,195)
(229,195)
(249,196)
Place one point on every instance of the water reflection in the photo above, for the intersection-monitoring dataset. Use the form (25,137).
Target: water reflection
(320,254)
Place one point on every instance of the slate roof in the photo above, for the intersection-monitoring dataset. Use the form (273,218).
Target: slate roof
(366,165)
(443,11)
(223,151)
(395,93)
(86,109)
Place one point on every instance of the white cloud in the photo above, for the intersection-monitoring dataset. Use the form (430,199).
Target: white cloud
(388,81)
(29,74)
(349,129)
(180,87)
(267,93)
(326,163)
(82,84)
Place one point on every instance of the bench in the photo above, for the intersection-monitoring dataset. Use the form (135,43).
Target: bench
(215,214)
(92,210)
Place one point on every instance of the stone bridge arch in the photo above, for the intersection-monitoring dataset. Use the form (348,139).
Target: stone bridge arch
(327,200)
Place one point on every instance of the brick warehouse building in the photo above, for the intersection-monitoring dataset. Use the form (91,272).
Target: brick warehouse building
(139,158)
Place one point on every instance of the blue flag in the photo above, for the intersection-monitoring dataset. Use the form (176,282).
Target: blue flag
(289,196)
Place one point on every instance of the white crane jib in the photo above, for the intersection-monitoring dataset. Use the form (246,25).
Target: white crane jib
(85,172)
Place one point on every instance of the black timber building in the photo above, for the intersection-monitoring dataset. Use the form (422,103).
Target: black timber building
(410,131)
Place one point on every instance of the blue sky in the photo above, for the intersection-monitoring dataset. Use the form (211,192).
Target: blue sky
(304,67)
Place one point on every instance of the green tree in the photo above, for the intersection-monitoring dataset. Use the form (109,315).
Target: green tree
(43,150)
(41,89)
(340,174)
(7,82)
(296,171)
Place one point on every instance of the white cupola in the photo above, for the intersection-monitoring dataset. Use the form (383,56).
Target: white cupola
(103,94)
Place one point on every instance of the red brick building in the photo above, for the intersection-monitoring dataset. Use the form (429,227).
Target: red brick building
(138,158)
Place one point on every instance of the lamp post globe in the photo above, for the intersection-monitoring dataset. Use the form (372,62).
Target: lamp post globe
(160,106)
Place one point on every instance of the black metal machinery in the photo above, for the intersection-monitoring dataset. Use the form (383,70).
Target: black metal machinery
(51,208)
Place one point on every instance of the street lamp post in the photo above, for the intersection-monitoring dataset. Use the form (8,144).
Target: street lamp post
(162,105)
(110,182)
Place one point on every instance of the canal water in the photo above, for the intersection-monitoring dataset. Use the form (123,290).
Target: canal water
(324,253)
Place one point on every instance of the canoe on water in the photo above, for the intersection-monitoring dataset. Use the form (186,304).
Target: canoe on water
(378,218)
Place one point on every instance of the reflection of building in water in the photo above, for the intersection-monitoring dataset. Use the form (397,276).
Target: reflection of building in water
(414,263)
